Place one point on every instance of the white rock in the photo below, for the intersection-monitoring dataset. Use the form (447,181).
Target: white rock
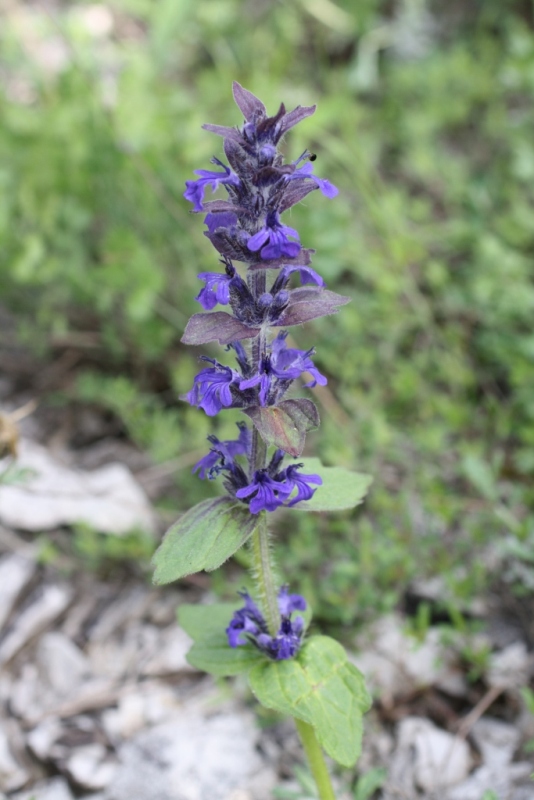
(12,774)
(169,656)
(90,766)
(428,758)
(395,662)
(482,780)
(511,668)
(15,574)
(521,771)
(496,740)
(42,738)
(147,703)
(53,678)
(54,789)
(62,665)
(127,719)
(46,606)
(523,793)
(161,702)
(192,758)
(130,605)
(109,499)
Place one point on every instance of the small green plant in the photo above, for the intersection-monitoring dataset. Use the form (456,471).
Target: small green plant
(96,550)
(369,783)
(307,789)
(307,677)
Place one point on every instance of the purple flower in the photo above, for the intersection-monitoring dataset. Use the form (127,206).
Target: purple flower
(300,482)
(306,275)
(248,625)
(248,620)
(211,388)
(306,171)
(216,290)
(222,454)
(283,364)
(272,240)
(288,363)
(223,219)
(195,189)
(263,377)
(267,493)
(287,603)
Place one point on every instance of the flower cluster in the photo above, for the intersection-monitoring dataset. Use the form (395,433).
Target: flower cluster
(246,227)
(248,625)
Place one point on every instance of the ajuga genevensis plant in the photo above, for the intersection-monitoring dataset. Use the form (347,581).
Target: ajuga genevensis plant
(266,282)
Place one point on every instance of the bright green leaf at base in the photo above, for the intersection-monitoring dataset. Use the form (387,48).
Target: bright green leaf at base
(206,625)
(341,489)
(204,538)
(322,688)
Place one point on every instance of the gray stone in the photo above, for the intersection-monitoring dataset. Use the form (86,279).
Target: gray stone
(109,499)
(46,606)
(15,574)
(55,677)
(193,758)
(42,738)
(395,663)
(140,706)
(482,780)
(169,657)
(496,740)
(54,789)
(12,774)
(90,767)
(62,666)
(427,758)
(512,667)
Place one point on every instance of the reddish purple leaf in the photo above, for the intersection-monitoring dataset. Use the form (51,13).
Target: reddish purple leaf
(222,130)
(285,426)
(217,326)
(310,303)
(248,104)
(296,116)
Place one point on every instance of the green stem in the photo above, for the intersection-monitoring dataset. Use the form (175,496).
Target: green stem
(264,574)
(316,760)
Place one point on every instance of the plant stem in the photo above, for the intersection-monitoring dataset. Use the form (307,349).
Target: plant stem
(263,570)
(316,760)
(264,574)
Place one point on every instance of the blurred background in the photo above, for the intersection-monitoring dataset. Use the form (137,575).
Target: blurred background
(424,122)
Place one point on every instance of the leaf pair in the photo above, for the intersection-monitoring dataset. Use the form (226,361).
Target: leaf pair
(320,686)
(305,304)
(212,531)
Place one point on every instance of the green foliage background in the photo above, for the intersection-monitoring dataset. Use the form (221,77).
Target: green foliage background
(425,123)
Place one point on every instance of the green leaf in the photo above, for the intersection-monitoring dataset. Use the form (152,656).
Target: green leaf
(322,688)
(206,625)
(341,487)
(369,783)
(204,538)
(286,425)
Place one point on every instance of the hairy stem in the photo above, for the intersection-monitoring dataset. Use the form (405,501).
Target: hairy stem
(316,760)
(263,567)
(264,574)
